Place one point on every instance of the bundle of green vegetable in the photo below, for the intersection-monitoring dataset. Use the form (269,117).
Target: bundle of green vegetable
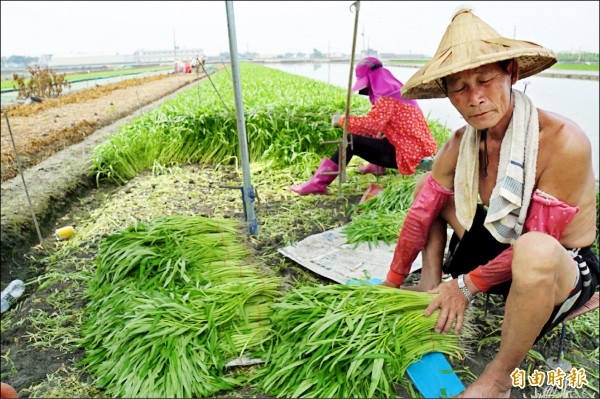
(348,341)
(287,116)
(380,218)
(172,251)
(173,300)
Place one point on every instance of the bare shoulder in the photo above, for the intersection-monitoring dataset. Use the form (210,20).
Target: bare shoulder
(445,160)
(565,155)
(558,131)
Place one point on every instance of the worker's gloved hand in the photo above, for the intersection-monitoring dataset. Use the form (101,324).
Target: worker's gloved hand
(335,120)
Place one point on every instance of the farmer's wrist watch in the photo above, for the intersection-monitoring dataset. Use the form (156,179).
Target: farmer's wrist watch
(464,289)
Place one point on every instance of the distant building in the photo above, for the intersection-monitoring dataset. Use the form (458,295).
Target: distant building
(161,56)
(45,59)
(139,57)
(369,53)
(338,56)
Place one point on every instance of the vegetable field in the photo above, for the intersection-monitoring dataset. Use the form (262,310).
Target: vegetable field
(161,287)
(286,118)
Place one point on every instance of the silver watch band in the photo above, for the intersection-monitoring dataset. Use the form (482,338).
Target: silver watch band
(464,289)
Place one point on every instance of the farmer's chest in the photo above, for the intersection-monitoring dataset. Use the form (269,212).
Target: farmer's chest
(489,159)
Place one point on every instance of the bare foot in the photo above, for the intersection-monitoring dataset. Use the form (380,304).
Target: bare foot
(491,384)
(479,390)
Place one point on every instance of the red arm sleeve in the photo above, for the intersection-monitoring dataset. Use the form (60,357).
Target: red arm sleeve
(546,215)
(373,122)
(425,208)
(495,272)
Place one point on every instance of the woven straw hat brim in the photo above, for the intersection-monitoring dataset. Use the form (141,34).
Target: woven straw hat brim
(469,43)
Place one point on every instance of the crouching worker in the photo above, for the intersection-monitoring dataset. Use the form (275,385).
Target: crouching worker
(517,187)
(394,134)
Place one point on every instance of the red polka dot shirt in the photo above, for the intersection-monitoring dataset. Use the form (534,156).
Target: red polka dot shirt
(403,125)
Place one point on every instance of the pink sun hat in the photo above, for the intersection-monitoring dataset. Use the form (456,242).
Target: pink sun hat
(371,75)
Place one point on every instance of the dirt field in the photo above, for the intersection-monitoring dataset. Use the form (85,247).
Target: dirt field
(39,354)
(43,129)
(54,141)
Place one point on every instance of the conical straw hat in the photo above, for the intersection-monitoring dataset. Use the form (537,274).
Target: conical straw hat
(469,43)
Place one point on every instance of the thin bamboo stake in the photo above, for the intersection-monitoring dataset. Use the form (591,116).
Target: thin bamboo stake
(214,87)
(344,143)
(37,227)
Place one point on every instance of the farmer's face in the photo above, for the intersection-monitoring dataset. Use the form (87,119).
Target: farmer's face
(482,95)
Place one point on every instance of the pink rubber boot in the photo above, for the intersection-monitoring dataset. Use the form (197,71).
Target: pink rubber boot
(372,168)
(318,183)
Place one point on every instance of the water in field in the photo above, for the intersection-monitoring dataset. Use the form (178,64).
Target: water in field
(575,99)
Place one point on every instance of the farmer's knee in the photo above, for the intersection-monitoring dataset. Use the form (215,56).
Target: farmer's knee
(535,254)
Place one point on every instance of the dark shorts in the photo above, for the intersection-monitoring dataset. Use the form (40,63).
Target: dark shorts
(478,246)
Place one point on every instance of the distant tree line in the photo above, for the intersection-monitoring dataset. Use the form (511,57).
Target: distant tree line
(577,57)
(18,61)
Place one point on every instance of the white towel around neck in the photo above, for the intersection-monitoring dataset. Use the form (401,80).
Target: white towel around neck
(516,174)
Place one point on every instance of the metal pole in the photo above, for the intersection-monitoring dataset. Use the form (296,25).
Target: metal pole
(248,190)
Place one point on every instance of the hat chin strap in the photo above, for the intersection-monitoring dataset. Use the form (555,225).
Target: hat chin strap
(441,86)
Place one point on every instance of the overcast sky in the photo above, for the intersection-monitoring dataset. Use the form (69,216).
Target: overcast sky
(275,27)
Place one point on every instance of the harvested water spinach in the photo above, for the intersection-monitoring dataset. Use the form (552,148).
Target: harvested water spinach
(348,341)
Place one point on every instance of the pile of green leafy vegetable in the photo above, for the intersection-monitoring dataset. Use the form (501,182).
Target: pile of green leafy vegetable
(348,341)
(172,302)
(380,218)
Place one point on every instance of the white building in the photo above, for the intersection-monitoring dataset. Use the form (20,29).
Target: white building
(138,57)
(161,56)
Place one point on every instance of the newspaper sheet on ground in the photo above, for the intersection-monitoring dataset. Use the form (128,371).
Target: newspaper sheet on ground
(329,255)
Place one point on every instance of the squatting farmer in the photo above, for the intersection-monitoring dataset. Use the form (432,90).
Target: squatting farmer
(516,185)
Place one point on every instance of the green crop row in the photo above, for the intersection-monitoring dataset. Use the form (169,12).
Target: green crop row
(286,117)
(577,67)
